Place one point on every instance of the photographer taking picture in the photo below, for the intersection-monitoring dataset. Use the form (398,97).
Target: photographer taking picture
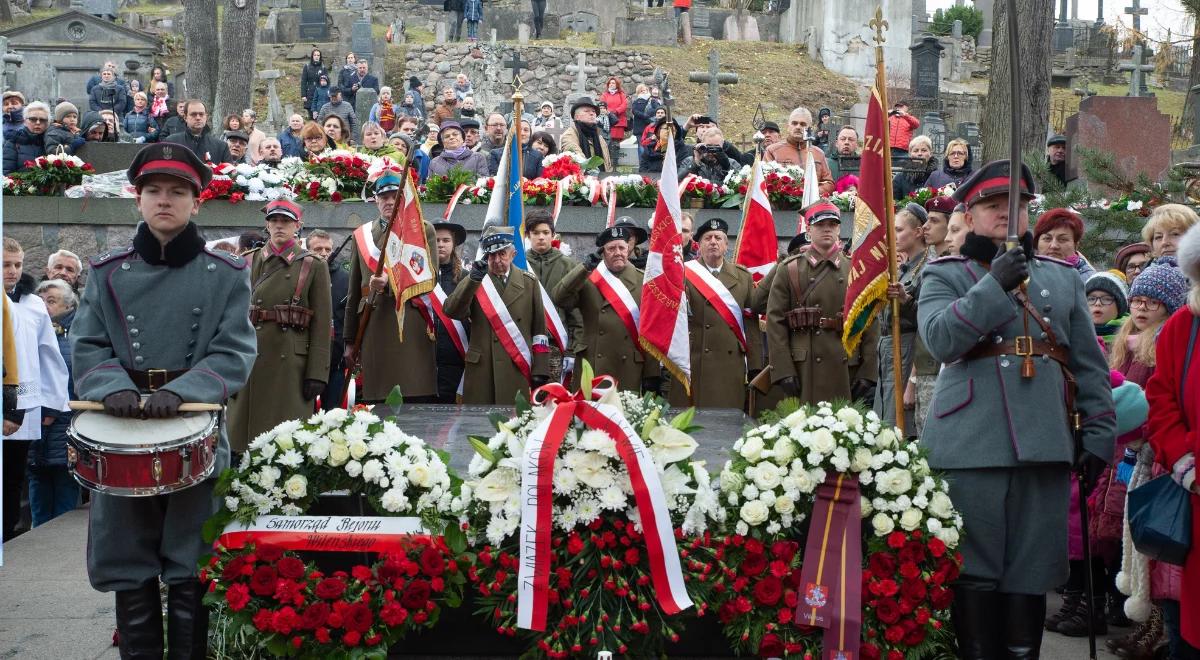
(708,158)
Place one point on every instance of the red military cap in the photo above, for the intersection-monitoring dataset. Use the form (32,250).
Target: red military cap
(284,207)
(941,204)
(172,160)
(992,179)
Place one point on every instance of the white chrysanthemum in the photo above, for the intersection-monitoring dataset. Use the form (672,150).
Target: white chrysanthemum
(394,500)
(232,502)
(612,499)
(372,470)
(587,510)
(354,469)
(267,475)
(290,458)
(597,441)
(267,451)
(565,482)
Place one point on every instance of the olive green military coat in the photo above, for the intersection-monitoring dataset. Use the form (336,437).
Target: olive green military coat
(816,358)
(491,376)
(386,360)
(719,365)
(286,357)
(605,342)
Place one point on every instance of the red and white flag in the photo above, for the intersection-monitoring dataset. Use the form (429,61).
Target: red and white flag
(406,255)
(663,326)
(757,244)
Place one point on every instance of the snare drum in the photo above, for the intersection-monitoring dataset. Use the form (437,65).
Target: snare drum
(141,457)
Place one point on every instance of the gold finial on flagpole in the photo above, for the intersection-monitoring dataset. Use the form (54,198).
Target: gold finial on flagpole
(879,24)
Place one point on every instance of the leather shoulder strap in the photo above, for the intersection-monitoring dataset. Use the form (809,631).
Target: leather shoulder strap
(793,268)
(306,267)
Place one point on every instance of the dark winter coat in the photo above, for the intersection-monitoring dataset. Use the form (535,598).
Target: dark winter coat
(310,77)
(22,147)
(109,97)
(714,170)
(905,183)
(950,175)
(61,140)
(320,96)
(12,122)
(651,160)
(205,146)
(291,143)
(531,162)
(643,114)
(139,124)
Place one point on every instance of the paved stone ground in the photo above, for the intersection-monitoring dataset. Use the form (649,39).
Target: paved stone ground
(50,612)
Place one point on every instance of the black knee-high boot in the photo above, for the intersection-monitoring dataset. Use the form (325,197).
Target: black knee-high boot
(1023,616)
(975,615)
(139,623)
(187,622)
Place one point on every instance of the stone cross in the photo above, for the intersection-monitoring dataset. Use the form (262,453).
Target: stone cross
(581,68)
(517,65)
(1137,11)
(275,115)
(1137,67)
(714,77)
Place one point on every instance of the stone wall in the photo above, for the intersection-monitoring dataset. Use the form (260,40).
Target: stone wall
(547,80)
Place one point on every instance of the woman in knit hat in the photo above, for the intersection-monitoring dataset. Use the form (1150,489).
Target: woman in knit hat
(1108,301)
(1172,393)
(1057,235)
(64,135)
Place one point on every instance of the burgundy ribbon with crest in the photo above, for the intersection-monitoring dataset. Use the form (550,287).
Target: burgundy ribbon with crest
(831,578)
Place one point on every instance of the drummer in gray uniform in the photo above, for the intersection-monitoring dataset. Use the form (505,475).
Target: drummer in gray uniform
(998,425)
(164,318)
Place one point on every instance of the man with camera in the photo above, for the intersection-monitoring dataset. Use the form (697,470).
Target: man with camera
(804,319)
(708,158)
(900,128)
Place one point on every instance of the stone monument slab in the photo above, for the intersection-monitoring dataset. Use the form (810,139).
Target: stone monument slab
(441,33)
(361,41)
(926,68)
(523,34)
(1131,128)
(363,100)
(934,127)
(581,21)
(312,21)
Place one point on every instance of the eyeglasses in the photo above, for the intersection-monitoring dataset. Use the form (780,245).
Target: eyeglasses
(1103,301)
(1147,304)
(37,120)
(957,153)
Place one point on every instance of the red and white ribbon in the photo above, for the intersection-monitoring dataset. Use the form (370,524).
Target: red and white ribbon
(503,325)
(326,533)
(537,507)
(563,185)
(719,297)
(610,186)
(462,187)
(433,301)
(618,297)
(366,246)
(684,184)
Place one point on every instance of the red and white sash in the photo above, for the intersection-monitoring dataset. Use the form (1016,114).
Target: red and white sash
(718,296)
(366,246)
(503,325)
(537,506)
(431,303)
(554,323)
(615,293)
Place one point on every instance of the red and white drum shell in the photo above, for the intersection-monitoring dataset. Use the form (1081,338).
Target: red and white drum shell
(134,457)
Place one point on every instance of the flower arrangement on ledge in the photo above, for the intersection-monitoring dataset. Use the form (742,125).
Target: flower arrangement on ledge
(47,175)
(785,185)
(601,594)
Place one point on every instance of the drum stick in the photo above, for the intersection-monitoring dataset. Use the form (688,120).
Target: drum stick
(185,407)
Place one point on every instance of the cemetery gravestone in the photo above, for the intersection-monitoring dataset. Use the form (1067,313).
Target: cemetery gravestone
(106,9)
(1137,68)
(926,68)
(275,116)
(581,22)
(523,34)
(361,41)
(1131,128)
(969,131)
(714,77)
(363,100)
(701,22)
(934,128)
(312,21)
(440,33)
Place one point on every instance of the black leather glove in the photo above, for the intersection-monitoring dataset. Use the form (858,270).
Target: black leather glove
(1089,467)
(311,388)
(1010,269)
(592,261)
(790,385)
(651,384)
(479,270)
(10,405)
(861,389)
(123,404)
(162,404)
(537,381)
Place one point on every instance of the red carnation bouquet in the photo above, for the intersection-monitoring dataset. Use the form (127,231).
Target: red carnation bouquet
(298,611)
(47,175)
(333,176)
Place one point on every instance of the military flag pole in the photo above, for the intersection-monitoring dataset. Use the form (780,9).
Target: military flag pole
(879,24)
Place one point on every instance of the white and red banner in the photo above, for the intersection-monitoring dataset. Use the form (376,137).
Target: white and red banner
(554,324)
(719,297)
(406,254)
(326,533)
(757,245)
(503,325)
(662,327)
(431,305)
(617,296)
(537,505)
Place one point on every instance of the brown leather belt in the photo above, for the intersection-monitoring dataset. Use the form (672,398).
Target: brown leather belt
(1020,347)
(152,380)
(830,324)
(258,315)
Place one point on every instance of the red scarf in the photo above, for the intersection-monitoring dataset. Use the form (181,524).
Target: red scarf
(159,108)
(387,116)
